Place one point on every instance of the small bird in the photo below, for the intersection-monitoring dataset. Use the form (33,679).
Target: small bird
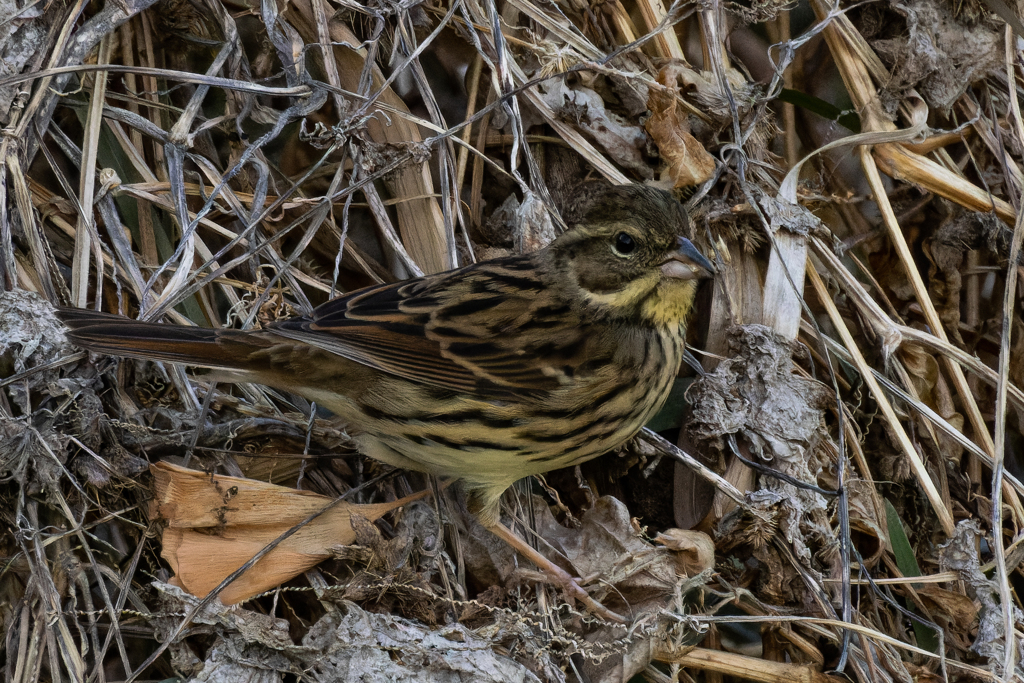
(488,373)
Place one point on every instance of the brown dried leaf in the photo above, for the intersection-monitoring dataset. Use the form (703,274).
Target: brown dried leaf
(694,550)
(869,534)
(215,524)
(688,162)
(954,611)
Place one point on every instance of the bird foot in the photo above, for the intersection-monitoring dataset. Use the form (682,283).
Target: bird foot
(555,575)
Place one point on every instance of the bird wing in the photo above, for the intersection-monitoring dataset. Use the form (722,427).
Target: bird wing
(492,329)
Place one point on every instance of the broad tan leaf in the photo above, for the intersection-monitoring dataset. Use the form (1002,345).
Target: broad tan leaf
(215,524)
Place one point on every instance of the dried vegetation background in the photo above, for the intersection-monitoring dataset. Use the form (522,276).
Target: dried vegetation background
(850,456)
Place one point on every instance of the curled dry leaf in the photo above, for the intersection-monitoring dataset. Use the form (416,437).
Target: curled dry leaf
(694,550)
(960,554)
(688,163)
(606,545)
(866,515)
(215,524)
(536,229)
(777,417)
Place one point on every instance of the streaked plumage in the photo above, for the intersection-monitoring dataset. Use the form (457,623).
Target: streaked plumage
(488,373)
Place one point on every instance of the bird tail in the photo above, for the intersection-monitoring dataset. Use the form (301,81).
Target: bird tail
(119,336)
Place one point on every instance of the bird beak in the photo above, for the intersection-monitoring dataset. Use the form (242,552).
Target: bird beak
(686,263)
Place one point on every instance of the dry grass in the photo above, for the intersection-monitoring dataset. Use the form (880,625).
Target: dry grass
(853,450)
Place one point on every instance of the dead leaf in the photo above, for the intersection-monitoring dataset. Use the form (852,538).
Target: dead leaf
(636,573)
(869,534)
(955,612)
(687,160)
(215,524)
(694,550)
(777,417)
(585,109)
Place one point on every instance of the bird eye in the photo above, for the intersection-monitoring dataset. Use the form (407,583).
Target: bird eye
(624,244)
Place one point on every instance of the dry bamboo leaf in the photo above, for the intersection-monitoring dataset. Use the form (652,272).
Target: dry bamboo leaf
(898,162)
(784,281)
(747,668)
(688,163)
(737,298)
(666,43)
(215,524)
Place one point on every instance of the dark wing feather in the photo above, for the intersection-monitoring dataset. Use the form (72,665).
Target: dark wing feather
(490,329)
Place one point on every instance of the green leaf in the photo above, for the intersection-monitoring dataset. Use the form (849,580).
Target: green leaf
(907,563)
(848,119)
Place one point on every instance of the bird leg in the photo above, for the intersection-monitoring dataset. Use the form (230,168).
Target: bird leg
(555,574)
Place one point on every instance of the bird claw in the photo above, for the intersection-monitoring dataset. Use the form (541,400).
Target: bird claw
(572,589)
(555,575)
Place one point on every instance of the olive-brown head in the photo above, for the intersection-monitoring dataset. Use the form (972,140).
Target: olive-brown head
(626,258)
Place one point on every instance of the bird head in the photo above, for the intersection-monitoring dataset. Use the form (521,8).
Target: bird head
(625,257)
